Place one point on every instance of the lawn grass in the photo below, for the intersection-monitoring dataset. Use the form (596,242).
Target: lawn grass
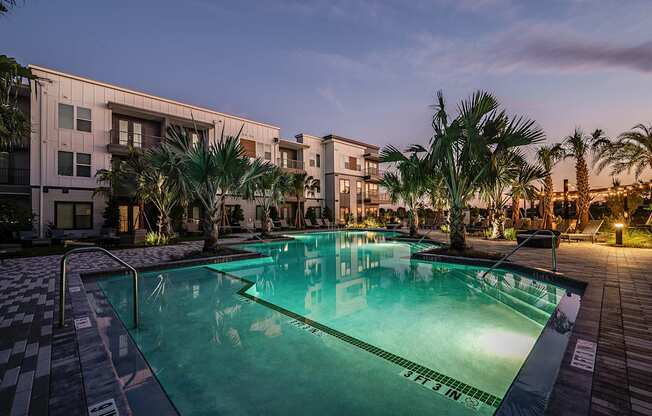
(633,238)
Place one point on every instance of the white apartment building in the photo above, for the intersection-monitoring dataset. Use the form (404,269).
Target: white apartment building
(81,125)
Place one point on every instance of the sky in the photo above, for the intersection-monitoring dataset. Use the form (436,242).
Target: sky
(364,69)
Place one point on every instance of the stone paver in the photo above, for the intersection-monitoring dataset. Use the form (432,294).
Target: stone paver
(40,369)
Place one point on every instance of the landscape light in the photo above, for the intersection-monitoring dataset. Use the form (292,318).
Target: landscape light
(619,233)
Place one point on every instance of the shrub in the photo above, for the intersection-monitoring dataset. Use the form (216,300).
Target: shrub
(632,238)
(153,238)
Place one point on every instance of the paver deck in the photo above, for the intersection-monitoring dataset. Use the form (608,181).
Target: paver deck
(40,366)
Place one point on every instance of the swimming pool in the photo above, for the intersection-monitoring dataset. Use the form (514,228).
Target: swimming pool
(336,323)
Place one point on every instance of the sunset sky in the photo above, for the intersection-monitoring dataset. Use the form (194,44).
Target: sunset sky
(362,69)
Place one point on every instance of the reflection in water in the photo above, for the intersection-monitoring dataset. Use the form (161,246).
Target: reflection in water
(439,315)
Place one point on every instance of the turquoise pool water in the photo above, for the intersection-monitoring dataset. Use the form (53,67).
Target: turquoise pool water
(335,323)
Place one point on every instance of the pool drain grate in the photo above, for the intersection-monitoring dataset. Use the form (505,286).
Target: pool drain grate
(467,390)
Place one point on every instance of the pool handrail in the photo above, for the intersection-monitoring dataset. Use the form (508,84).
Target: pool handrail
(554,251)
(62,282)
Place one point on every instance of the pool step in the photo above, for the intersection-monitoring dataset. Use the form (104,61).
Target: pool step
(527,309)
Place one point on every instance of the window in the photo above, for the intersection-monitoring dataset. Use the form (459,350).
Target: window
(358,188)
(318,159)
(83,165)
(73,215)
(123,134)
(65,116)
(194,139)
(344,213)
(137,135)
(65,165)
(312,163)
(259,213)
(195,213)
(268,155)
(84,119)
(345,186)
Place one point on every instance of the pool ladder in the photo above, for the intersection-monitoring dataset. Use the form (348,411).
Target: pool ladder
(62,283)
(554,251)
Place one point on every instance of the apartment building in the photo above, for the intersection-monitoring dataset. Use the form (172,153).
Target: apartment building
(81,125)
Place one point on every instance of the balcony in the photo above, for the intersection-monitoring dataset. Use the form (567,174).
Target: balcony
(384,198)
(291,165)
(371,198)
(122,141)
(14,176)
(373,173)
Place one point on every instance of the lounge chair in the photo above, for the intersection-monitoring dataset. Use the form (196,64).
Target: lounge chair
(284,224)
(309,223)
(590,232)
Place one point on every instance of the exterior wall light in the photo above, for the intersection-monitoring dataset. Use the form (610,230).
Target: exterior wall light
(619,233)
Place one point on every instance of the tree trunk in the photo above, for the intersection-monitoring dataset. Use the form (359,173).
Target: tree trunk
(548,204)
(457,234)
(516,210)
(267,223)
(498,224)
(583,193)
(414,222)
(215,216)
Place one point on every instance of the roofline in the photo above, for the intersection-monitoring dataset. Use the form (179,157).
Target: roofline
(351,141)
(143,94)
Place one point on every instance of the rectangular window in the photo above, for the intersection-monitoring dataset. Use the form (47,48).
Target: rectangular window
(73,215)
(65,164)
(137,135)
(83,165)
(318,160)
(345,186)
(358,188)
(344,213)
(66,116)
(312,163)
(84,122)
(259,212)
(195,213)
(123,134)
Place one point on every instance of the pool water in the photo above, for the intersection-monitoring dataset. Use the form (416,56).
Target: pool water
(335,323)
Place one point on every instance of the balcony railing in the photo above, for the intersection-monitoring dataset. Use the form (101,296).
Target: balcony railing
(135,140)
(14,176)
(384,199)
(290,163)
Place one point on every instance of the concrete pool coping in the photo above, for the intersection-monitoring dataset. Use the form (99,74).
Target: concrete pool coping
(95,365)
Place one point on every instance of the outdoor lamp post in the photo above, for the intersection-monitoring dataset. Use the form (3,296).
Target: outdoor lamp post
(619,233)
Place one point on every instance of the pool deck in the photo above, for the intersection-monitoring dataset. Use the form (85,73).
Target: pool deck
(41,368)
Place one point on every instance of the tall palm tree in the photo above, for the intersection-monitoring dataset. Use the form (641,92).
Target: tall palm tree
(631,151)
(524,187)
(15,126)
(178,142)
(302,184)
(410,183)
(270,191)
(216,171)
(461,149)
(578,146)
(548,156)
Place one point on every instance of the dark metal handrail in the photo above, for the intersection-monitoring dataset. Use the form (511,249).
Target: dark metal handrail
(14,176)
(290,163)
(554,251)
(126,138)
(62,283)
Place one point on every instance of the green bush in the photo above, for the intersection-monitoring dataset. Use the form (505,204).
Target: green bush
(632,238)
(153,238)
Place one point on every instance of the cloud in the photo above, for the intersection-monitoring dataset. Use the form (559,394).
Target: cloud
(582,54)
(329,95)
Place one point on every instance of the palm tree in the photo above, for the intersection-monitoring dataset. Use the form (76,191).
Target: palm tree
(179,143)
(548,157)
(577,146)
(524,187)
(461,150)
(216,171)
(632,150)
(410,183)
(270,190)
(302,184)
(494,186)
(15,126)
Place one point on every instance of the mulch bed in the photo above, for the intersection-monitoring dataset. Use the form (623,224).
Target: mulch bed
(219,251)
